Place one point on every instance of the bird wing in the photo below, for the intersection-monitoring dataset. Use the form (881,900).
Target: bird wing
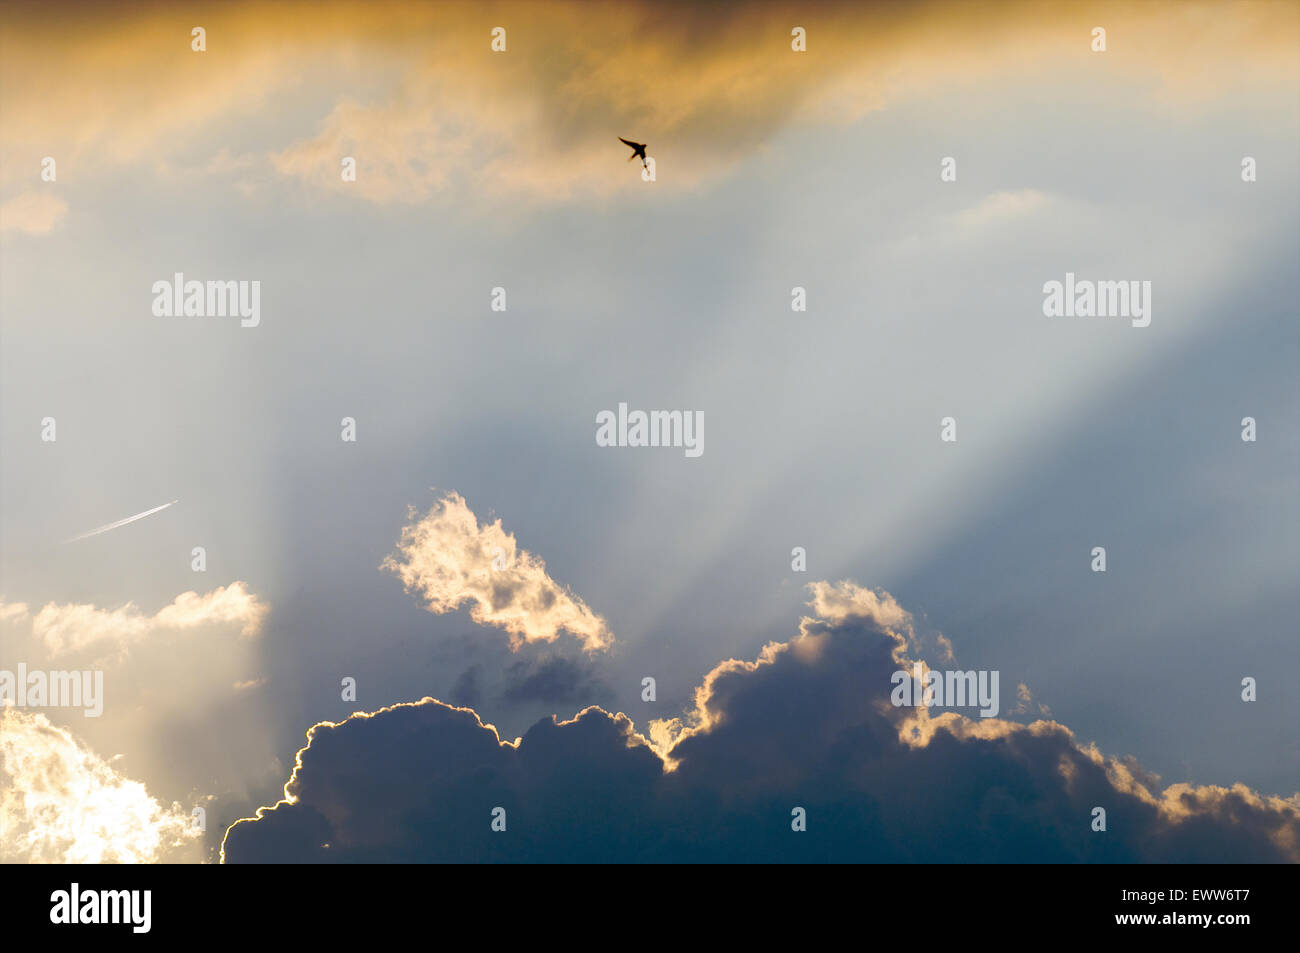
(634,145)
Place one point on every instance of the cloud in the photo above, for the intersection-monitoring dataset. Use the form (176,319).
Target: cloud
(60,803)
(32,212)
(447,559)
(417,97)
(402,154)
(807,724)
(229,604)
(179,705)
(707,87)
(467,692)
(1025,703)
(70,627)
(1003,206)
(554,680)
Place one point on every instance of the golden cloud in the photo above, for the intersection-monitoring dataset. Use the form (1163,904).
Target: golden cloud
(418,98)
(449,560)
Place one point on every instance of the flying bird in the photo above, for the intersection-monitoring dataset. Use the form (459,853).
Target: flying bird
(130,519)
(638,150)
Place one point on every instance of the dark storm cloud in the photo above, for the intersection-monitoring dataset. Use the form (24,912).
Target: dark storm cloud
(809,724)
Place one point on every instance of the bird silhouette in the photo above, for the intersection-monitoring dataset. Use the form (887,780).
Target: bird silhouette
(638,150)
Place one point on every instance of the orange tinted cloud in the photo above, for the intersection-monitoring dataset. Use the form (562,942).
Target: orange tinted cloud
(449,560)
(417,96)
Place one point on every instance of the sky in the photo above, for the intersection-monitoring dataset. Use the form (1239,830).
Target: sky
(486,572)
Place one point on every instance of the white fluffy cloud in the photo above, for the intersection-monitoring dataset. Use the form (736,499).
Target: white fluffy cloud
(60,803)
(73,626)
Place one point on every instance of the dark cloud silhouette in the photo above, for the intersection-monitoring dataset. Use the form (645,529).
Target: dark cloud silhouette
(518,686)
(554,679)
(808,724)
(466,693)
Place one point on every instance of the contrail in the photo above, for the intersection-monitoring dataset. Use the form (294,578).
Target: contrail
(129,519)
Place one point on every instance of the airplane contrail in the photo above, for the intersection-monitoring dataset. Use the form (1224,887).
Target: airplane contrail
(129,519)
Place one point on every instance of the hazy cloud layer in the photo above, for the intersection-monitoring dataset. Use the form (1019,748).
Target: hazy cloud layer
(426,108)
(447,559)
(809,724)
(33,212)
